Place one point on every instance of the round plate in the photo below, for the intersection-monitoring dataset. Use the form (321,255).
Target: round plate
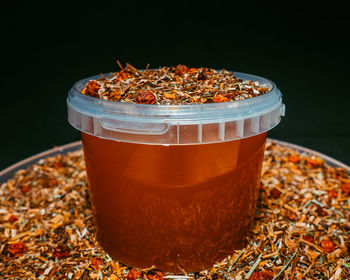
(11,170)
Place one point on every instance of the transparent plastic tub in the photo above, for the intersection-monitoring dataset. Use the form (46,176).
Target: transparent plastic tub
(174,186)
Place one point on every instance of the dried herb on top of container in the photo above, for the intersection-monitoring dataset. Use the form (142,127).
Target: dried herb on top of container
(171,85)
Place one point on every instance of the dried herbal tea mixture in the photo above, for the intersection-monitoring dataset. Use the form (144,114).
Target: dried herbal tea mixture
(301,230)
(178,85)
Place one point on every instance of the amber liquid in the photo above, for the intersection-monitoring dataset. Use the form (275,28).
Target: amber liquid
(177,205)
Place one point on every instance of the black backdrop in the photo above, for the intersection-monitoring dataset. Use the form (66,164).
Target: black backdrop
(304,50)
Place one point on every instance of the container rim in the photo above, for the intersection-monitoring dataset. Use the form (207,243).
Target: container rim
(176,124)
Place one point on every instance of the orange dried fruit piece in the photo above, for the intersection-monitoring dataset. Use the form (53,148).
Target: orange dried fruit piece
(145,97)
(291,215)
(275,193)
(314,162)
(17,249)
(346,187)
(294,158)
(92,88)
(333,193)
(25,189)
(328,245)
(115,95)
(220,98)
(96,262)
(181,69)
(61,252)
(308,238)
(122,75)
(13,218)
(169,95)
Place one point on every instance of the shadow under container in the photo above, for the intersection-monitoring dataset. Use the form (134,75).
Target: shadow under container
(174,186)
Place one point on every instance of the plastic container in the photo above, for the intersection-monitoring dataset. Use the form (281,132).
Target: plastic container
(174,186)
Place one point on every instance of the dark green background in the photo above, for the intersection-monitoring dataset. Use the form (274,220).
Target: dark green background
(304,50)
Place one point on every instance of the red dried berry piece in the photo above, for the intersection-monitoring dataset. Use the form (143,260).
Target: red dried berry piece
(17,249)
(13,218)
(294,158)
(328,245)
(115,95)
(291,215)
(260,275)
(313,163)
(25,189)
(275,193)
(220,98)
(96,262)
(134,274)
(181,69)
(308,238)
(333,193)
(92,88)
(346,187)
(145,97)
(61,252)
(321,212)
(122,75)
(155,274)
